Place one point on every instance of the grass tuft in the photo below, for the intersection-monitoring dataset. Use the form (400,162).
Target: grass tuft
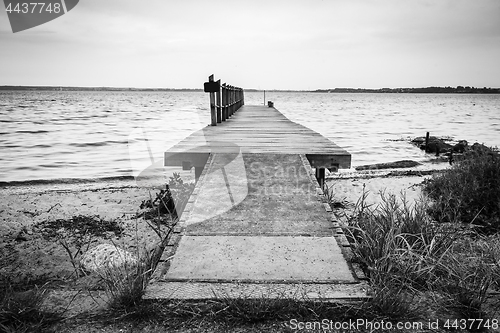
(126,284)
(469,273)
(22,310)
(407,255)
(395,237)
(332,199)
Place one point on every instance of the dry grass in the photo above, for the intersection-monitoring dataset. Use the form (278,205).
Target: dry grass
(21,309)
(417,266)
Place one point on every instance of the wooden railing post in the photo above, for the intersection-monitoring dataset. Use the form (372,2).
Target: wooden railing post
(219,107)
(212,104)
(234,99)
(227,101)
(238,94)
(224,102)
(230,104)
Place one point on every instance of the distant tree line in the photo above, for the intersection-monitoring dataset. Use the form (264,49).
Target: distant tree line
(425,90)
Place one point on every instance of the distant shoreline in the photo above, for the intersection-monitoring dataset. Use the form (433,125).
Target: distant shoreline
(423,90)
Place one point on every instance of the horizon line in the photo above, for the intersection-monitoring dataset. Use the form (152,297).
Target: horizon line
(338,89)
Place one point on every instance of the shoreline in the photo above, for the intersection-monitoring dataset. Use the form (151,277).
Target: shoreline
(25,204)
(34,182)
(430,166)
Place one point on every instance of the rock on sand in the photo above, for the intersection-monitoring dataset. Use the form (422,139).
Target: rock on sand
(106,256)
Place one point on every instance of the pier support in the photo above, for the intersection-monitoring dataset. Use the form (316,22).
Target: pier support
(320,176)
(197,172)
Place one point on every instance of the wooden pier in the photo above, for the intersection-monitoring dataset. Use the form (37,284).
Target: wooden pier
(258,130)
(257,223)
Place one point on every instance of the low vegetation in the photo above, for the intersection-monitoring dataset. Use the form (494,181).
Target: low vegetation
(469,192)
(438,258)
(169,202)
(419,267)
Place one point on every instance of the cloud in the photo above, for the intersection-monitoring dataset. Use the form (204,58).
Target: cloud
(441,22)
(327,43)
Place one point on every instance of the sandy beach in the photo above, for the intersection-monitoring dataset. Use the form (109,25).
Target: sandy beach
(28,248)
(350,189)
(31,250)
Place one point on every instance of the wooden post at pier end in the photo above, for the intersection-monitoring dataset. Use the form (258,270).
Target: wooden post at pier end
(225,100)
(212,103)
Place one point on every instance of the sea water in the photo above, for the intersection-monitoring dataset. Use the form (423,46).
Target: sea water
(54,135)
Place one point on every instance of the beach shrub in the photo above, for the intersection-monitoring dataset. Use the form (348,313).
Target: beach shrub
(170,202)
(469,192)
(181,191)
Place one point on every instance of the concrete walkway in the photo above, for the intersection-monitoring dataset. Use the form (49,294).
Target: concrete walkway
(256,226)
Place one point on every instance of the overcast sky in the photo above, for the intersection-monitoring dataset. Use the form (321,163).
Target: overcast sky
(265,44)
